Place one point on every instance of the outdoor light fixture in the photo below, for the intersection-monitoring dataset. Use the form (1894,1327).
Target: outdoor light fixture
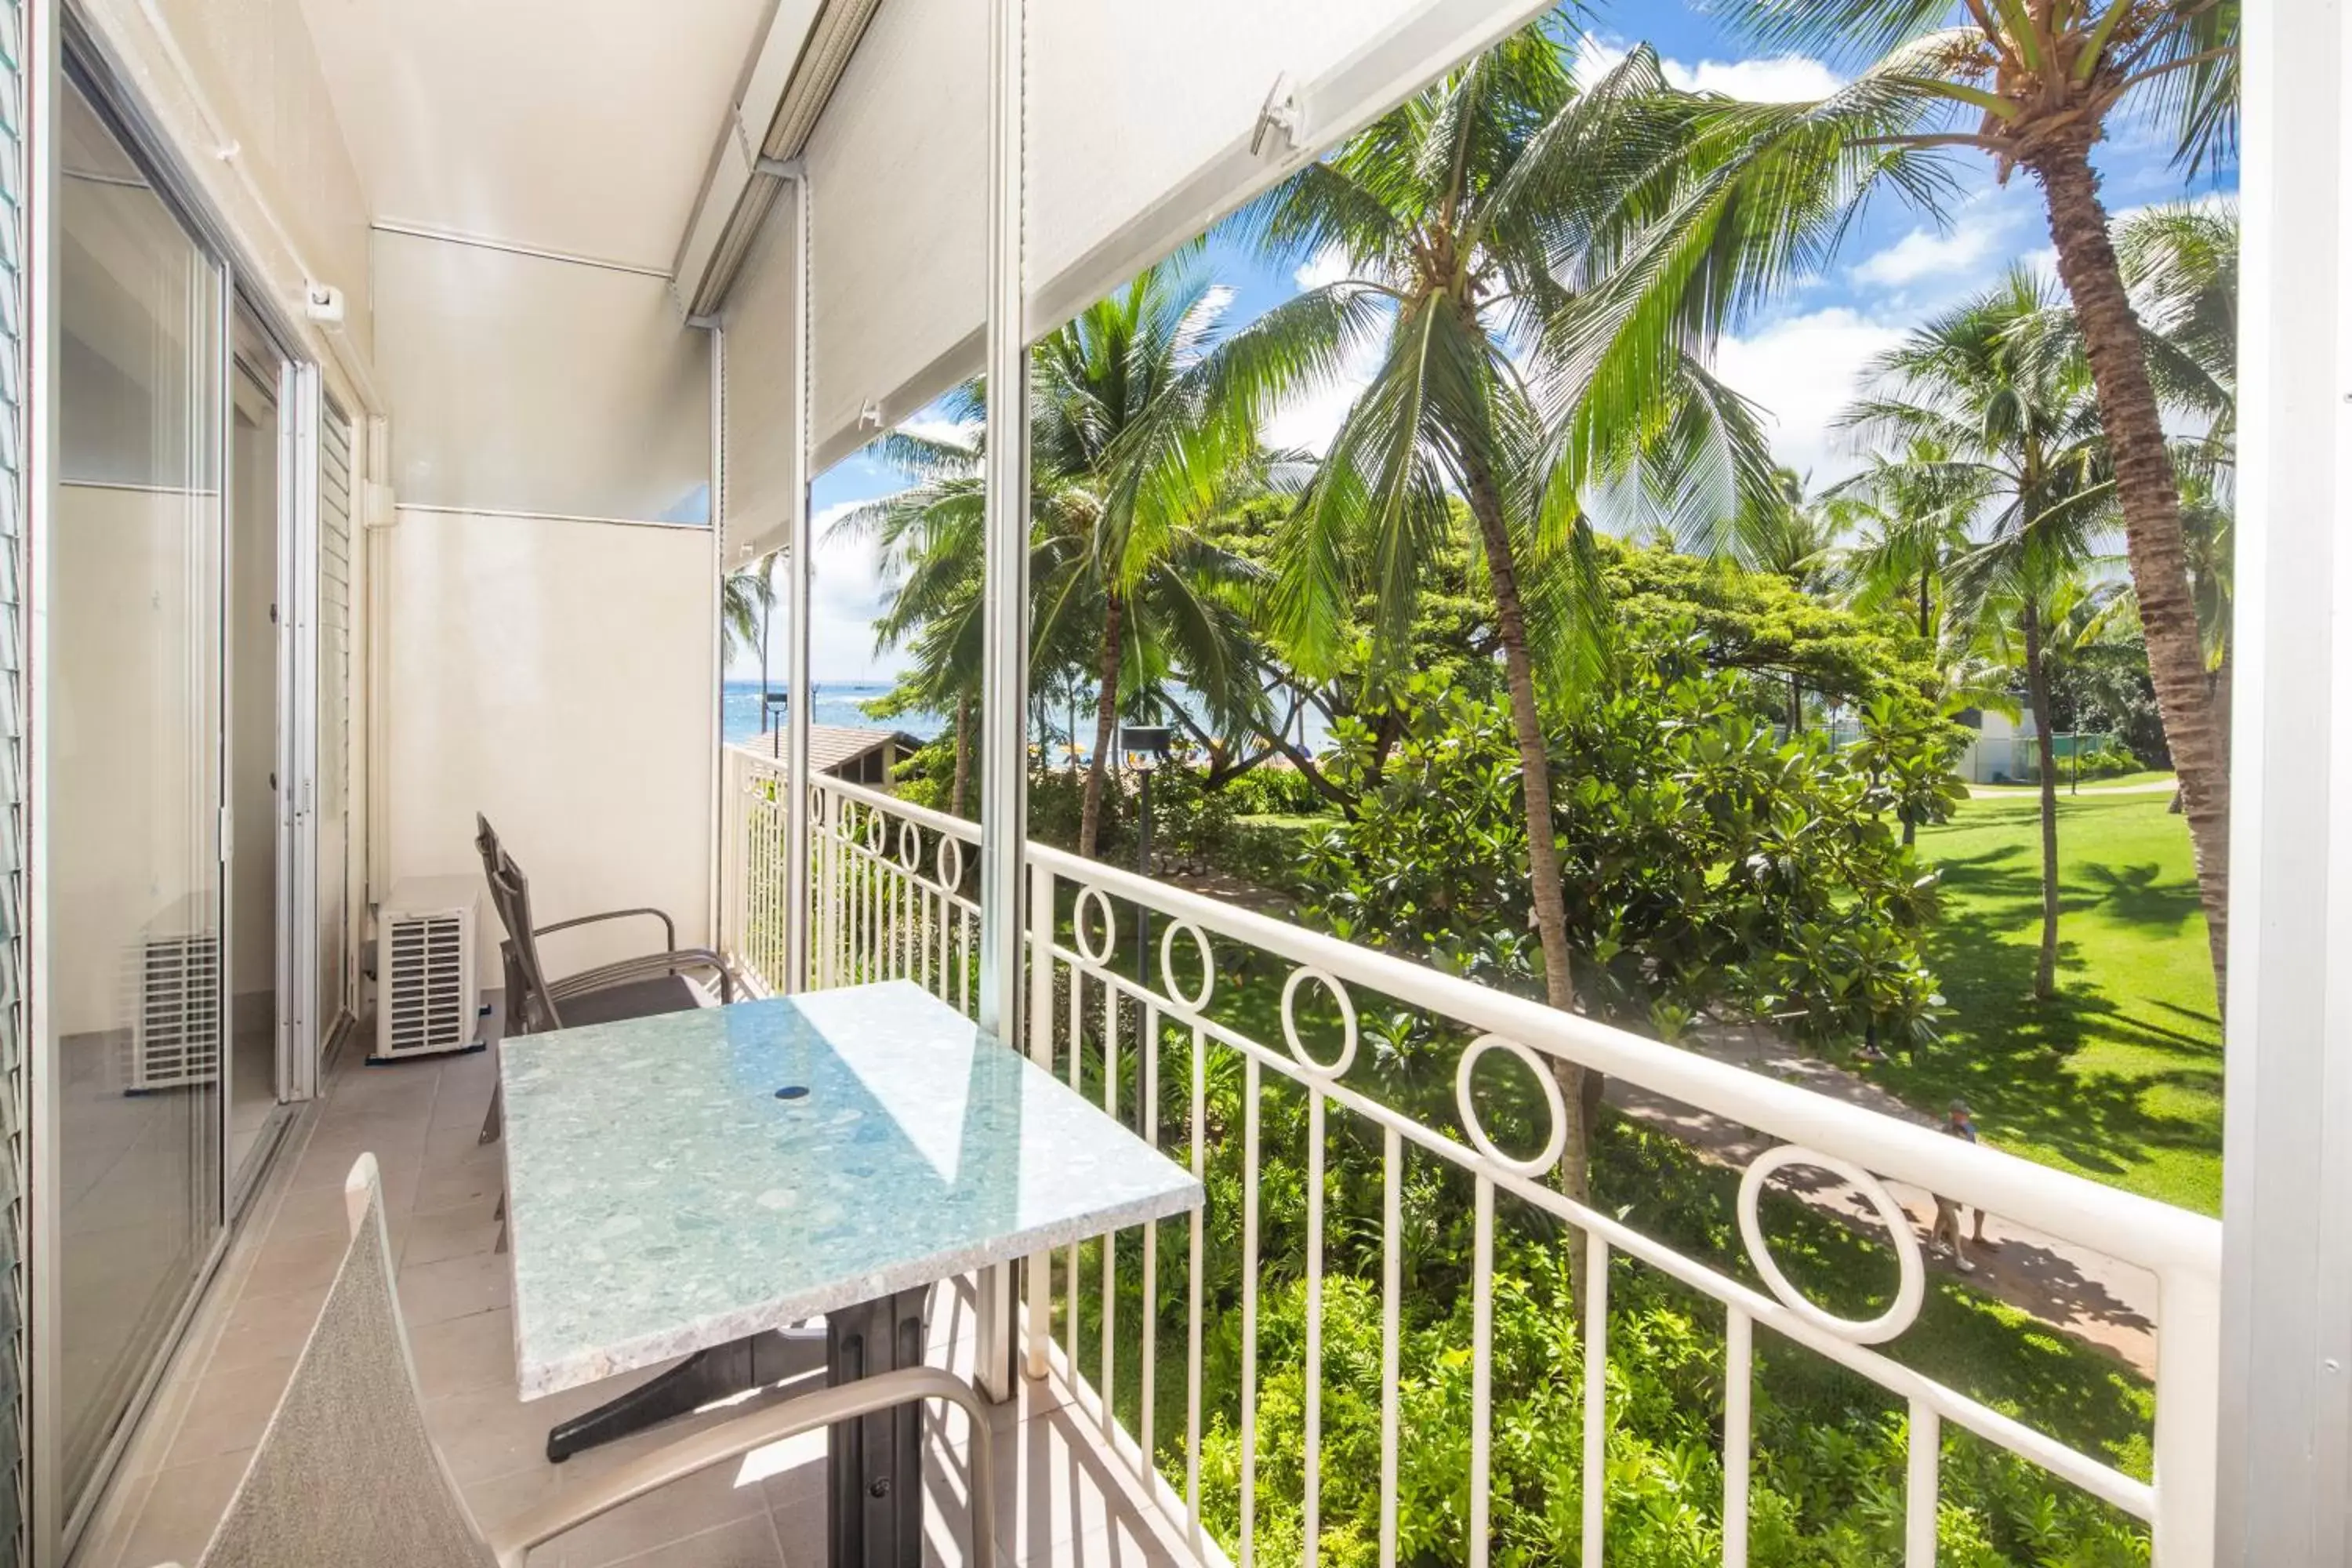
(1146,746)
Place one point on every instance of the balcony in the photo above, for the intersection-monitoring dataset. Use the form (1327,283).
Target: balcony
(1215,1336)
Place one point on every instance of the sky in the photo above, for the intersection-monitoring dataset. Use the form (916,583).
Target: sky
(1801,360)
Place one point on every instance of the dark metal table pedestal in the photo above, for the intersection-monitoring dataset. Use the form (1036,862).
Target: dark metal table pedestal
(876,1518)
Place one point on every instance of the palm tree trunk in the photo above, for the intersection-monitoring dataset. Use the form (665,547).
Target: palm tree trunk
(1105,720)
(1796,709)
(2045,748)
(1580,1088)
(2150,498)
(963,755)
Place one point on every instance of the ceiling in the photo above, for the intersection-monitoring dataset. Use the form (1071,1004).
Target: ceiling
(582,127)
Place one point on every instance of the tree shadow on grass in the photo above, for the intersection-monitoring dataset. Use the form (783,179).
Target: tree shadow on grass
(2014,1058)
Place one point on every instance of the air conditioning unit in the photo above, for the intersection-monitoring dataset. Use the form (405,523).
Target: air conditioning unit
(175,1002)
(426,999)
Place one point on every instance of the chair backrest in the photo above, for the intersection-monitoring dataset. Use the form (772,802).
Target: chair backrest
(347,1472)
(529,1006)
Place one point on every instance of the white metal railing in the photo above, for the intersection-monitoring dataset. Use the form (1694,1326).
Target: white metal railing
(889,900)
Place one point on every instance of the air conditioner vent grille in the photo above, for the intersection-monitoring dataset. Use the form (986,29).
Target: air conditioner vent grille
(428,1002)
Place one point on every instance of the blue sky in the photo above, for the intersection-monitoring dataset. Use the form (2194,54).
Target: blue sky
(1801,360)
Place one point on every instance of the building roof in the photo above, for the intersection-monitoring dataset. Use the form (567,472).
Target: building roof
(833,747)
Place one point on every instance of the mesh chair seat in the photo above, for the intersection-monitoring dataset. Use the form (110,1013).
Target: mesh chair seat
(347,1473)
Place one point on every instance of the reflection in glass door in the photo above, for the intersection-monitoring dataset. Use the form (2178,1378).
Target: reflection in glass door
(259,773)
(134,769)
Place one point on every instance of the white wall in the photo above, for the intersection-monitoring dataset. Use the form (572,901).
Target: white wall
(555,673)
(556,676)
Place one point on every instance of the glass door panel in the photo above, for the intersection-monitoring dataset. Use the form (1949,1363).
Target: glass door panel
(134,756)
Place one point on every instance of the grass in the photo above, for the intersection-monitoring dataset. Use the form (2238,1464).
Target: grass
(2119,1076)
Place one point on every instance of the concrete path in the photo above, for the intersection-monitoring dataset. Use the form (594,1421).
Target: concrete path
(2099,1298)
(2026,792)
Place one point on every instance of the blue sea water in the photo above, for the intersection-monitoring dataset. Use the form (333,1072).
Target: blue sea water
(842,703)
(837,702)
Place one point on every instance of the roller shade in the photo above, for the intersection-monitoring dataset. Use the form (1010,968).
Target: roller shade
(759,468)
(897,169)
(1140,124)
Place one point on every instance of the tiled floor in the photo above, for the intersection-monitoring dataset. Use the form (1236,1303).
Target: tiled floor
(1062,1497)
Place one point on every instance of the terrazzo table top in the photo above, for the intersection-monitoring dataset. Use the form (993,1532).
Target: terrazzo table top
(662,1197)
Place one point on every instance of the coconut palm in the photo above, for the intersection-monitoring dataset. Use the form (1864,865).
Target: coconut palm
(1910,513)
(1128,470)
(1138,462)
(747,596)
(1988,397)
(2034,84)
(1467,227)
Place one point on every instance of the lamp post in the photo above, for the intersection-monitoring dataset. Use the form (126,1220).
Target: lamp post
(1146,746)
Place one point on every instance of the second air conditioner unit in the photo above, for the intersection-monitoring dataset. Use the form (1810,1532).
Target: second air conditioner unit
(428,1002)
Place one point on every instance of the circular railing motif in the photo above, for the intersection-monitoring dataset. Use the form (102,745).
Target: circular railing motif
(1544,1159)
(844,819)
(1175,993)
(1101,903)
(910,845)
(1911,1276)
(948,861)
(877,833)
(1331,984)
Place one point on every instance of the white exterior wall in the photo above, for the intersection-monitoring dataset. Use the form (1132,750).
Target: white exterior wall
(549,643)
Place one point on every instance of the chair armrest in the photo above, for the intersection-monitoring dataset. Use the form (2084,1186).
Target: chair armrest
(648,966)
(669,926)
(573,1508)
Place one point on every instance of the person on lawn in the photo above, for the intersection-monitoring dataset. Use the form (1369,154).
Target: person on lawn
(1961,1122)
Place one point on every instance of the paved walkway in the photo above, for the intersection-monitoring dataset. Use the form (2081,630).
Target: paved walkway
(2026,792)
(2108,1302)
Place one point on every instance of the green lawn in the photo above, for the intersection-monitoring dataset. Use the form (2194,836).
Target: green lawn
(2119,1077)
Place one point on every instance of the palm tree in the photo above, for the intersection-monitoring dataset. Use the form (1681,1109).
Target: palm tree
(2034,84)
(1137,463)
(1910,513)
(1465,223)
(1127,468)
(1987,398)
(747,596)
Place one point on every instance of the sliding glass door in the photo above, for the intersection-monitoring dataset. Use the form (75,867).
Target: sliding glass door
(134,777)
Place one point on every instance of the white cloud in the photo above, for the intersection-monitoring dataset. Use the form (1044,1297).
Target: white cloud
(1924,253)
(953,431)
(1323,268)
(1783,78)
(845,593)
(1802,371)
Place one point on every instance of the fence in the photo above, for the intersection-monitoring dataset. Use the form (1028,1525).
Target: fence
(891,901)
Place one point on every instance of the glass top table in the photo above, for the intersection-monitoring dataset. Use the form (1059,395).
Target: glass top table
(684,1181)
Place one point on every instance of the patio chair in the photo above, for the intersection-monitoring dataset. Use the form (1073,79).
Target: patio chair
(347,1472)
(637,987)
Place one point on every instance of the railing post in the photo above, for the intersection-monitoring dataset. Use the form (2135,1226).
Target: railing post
(1040,1314)
(731,828)
(1005,706)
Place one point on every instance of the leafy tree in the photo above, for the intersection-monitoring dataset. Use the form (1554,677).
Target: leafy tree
(1715,863)
(2035,84)
(1991,385)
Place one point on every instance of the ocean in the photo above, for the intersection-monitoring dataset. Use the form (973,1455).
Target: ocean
(842,702)
(837,702)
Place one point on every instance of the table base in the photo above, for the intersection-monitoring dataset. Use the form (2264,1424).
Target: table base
(876,1517)
(720,1372)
